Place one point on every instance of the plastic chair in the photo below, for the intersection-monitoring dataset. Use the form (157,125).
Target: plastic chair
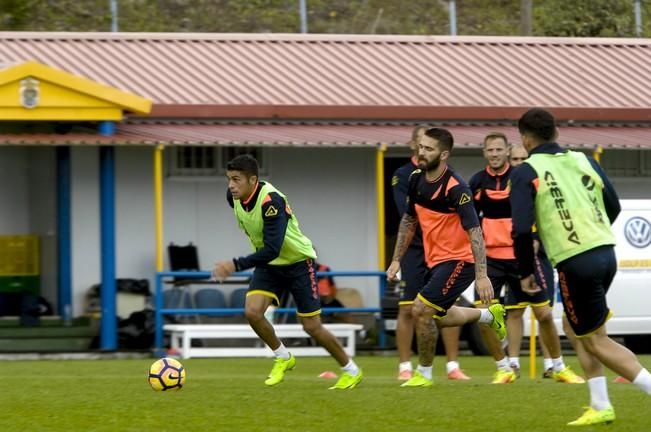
(238,298)
(210,298)
(175,298)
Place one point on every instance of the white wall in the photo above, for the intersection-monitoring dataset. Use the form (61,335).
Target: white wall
(332,192)
(134,218)
(333,195)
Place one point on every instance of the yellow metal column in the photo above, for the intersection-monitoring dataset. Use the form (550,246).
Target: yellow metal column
(532,346)
(158,204)
(596,154)
(379,187)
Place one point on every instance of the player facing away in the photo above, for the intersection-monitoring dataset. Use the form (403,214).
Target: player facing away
(490,188)
(414,272)
(573,204)
(283,260)
(440,203)
(514,321)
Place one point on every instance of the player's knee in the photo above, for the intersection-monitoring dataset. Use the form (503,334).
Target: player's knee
(405,311)
(253,313)
(594,342)
(590,344)
(312,325)
(418,310)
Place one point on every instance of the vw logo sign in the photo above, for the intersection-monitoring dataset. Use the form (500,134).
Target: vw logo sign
(638,232)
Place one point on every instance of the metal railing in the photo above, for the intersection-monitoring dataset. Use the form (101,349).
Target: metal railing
(203,277)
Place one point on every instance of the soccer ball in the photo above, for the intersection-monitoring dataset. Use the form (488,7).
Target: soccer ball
(166,374)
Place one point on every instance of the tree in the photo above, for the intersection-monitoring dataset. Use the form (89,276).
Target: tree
(612,18)
(494,18)
(15,13)
(585,18)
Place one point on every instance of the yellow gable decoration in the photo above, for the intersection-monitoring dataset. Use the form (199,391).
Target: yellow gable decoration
(34,91)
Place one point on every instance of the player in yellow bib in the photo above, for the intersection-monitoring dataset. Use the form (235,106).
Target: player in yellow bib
(283,258)
(573,204)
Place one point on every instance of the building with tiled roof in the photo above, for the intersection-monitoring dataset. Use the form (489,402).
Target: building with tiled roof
(326,114)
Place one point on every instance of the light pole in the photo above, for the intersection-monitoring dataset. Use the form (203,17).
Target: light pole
(303,12)
(638,18)
(114,15)
(452,12)
(526,17)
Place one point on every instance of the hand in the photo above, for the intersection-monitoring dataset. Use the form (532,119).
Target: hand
(484,288)
(392,271)
(529,285)
(222,270)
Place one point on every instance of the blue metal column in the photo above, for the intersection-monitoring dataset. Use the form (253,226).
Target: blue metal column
(106,128)
(158,317)
(64,234)
(108,331)
(382,334)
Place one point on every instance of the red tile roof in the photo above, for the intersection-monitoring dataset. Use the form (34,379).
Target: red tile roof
(348,76)
(320,135)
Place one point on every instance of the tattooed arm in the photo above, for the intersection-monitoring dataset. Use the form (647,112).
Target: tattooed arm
(483,285)
(478,251)
(470,223)
(406,232)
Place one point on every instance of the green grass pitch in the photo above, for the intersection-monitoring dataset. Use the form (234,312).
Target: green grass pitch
(229,395)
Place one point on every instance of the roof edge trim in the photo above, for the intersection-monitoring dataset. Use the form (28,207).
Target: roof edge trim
(374,112)
(322,37)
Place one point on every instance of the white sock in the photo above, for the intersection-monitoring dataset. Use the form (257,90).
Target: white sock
(548,363)
(405,366)
(558,364)
(351,368)
(485,317)
(282,352)
(452,365)
(425,371)
(643,381)
(514,362)
(599,393)
(503,364)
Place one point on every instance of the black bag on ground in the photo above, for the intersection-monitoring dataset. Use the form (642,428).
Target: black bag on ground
(134,286)
(137,331)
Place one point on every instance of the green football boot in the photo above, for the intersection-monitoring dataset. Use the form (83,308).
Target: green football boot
(498,324)
(418,380)
(347,381)
(592,416)
(277,373)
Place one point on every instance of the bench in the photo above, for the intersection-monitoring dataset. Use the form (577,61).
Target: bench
(182,335)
